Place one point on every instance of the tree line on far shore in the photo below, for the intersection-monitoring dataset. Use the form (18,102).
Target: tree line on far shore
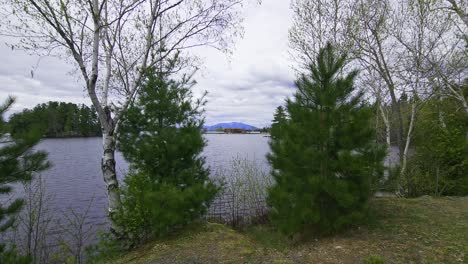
(57,119)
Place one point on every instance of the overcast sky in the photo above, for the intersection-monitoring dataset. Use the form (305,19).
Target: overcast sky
(245,87)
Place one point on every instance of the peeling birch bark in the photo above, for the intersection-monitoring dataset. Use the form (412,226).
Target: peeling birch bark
(110,176)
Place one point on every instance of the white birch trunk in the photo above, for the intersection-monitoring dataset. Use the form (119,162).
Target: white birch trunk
(465,105)
(387,140)
(387,126)
(98,34)
(110,178)
(387,136)
(408,139)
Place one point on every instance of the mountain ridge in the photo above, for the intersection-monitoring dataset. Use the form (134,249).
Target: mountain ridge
(230,125)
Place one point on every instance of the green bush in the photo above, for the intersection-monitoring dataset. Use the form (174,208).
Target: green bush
(244,193)
(168,185)
(439,165)
(152,209)
(11,256)
(323,152)
(105,250)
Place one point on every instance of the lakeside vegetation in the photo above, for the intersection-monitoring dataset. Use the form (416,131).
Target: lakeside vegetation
(416,230)
(168,184)
(371,75)
(167,193)
(18,163)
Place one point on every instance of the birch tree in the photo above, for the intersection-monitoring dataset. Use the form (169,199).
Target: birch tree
(420,30)
(112,43)
(316,22)
(374,47)
(448,67)
(412,47)
(460,8)
(407,43)
(371,80)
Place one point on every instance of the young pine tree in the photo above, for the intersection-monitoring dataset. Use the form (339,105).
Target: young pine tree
(323,153)
(168,185)
(279,119)
(18,162)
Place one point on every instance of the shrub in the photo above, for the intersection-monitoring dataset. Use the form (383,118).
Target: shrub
(440,162)
(107,249)
(323,154)
(168,185)
(243,196)
(12,256)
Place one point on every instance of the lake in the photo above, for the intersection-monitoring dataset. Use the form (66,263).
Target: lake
(75,176)
(75,180)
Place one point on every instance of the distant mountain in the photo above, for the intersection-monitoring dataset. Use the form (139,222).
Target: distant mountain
(230,125)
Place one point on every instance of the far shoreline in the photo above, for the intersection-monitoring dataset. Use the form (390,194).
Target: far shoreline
(204,133)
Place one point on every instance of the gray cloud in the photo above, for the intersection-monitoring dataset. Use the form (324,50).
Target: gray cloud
(258,77)
(245,87)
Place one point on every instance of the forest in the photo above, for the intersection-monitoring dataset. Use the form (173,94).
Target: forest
(56,120)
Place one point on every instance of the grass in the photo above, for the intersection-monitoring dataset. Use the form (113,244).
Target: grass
(422,230)
(208,243)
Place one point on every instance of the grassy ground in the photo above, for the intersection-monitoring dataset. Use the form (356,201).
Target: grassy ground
(423,230)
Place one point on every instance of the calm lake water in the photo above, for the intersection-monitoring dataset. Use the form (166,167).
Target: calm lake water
(75,178)
(74,181)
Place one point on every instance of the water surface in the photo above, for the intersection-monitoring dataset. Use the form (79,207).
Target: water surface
(75,178)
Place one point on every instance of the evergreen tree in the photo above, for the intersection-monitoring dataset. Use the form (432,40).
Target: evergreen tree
(279,118)
(57,119)
(168,185)
(322,151)
(18,162)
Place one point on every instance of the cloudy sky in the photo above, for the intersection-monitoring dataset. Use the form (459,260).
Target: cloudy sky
(245,87)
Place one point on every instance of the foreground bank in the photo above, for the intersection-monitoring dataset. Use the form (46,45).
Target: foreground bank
(422,230)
